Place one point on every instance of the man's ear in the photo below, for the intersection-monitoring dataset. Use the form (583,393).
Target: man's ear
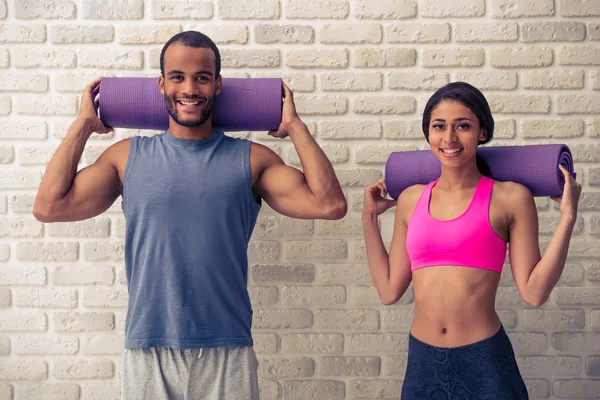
(161,84)
(218,85)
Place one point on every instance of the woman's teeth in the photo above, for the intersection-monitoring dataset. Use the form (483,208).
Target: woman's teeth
(451,151)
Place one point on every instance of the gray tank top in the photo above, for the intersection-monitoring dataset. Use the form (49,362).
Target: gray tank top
(190,214)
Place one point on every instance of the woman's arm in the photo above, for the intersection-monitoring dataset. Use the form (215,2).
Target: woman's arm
(536,276)
(391,273)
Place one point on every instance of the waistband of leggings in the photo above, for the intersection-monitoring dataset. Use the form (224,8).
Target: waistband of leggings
(471,346)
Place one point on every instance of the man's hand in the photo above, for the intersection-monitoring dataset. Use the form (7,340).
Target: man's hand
(289,116)
(88,110)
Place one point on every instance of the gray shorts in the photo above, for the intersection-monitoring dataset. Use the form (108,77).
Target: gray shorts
(192,374)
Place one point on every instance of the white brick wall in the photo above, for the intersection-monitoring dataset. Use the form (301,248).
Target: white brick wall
(362,71)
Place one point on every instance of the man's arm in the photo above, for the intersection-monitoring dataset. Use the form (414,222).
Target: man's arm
(68,195)
(316,193)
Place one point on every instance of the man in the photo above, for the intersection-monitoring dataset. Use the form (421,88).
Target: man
(190,197)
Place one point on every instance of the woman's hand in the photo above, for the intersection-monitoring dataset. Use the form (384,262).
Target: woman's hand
(375,202)
(570,198)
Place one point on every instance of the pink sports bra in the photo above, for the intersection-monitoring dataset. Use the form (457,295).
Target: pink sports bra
(466,241)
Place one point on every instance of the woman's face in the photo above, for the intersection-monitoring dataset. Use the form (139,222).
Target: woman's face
(454,133)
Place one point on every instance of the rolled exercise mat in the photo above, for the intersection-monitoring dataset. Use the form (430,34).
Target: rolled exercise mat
(535,166)
(244,104)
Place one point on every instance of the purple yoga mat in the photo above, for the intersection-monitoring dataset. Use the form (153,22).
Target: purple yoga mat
(535,166)
(244,104)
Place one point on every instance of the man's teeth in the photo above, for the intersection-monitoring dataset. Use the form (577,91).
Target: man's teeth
(451,151)
(188,103)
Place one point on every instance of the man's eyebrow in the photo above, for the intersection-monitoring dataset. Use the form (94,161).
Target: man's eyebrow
(177,72)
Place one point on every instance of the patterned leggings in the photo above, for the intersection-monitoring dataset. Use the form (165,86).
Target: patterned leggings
(485,370)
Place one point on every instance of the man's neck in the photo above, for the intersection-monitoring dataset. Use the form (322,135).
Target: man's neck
(200,132)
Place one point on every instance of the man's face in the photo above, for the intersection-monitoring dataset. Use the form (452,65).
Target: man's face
(189,84)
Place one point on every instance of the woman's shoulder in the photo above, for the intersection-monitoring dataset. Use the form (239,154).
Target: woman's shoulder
(511,191)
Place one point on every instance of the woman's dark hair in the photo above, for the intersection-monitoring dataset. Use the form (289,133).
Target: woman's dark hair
(192,39)
(467,95)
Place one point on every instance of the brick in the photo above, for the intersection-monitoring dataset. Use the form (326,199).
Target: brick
(313,295)
(46,105)
(553,31)
(299,82)
(455,57)
(248,9)
(321,105)
(595,79)
(313,389)
(250,58)
(377,343)
(489,80)
(21,180)
(268,389)
(538,388)
(282,319)
(113,9)
(101,391)
(23,82)
(579,55)
(286,368)
(271,33)
(83,321)
(23,370)
(318,343)
(578,8)
(37,155)
(572,275)
(4,58)
(349,366)
(103,251)
(61,34)
(94,227)
(576,341)
(397,320)
(575,388)
(466,8)
(47,298)
(283,273)
(4,351)
(384,9)
(49,251)
(508,318)
(22,203)
(83,369)
(263,295)
(543,366)
(521,57)
(417,80)
(526,343)
(278,226)
(374,388)
(3,13)
(61,126)
(105,297)
(344,273)
(181,9)
(47,391)
(380,58)
(509,298)
(594,176)
(595,318)
(318,58)
(5,298)
(7,156)
(522,8)
(111,59)
(351,81)
(220,34)
(519,104)
(337,154)
(577,296)
(384,104)
(345,226)
(340,130)
(593,30)
(5,105)
(22,275)
(553,319)
(147,34)
(357,177)
(486,32)
(263,250)
(344,320)
(394,366)
(44,58)
(372,154)
(315,249)
(325,9)
(15,33)
(20,227)
(47,345)
(3,204)
(47,9)
(585,152)
(402,130)
(553,80)
(351,33)
(265,343)
(103,345)
(552,128)
(22,321)
(578,104)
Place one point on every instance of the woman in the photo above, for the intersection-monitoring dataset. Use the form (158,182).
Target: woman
(450,239)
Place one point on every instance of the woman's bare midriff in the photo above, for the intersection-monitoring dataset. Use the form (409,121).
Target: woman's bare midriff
(454,306)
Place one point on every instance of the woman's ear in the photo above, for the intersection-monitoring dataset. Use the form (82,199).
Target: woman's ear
(482,136)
